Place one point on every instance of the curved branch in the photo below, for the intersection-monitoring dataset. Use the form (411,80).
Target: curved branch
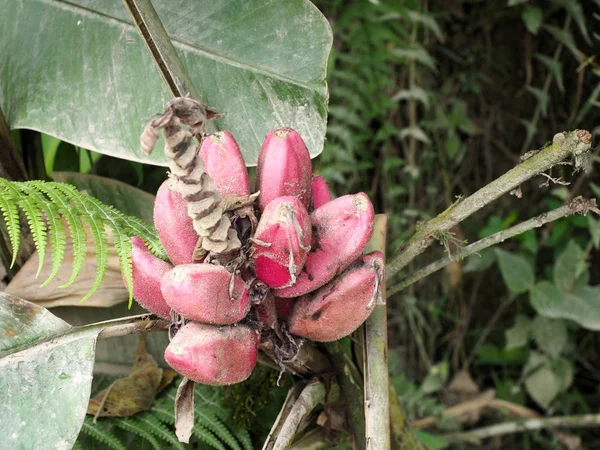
(578,205)
(567,145)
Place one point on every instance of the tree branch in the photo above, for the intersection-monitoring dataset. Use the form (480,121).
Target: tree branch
(567,145)
(578,205)
(474,436)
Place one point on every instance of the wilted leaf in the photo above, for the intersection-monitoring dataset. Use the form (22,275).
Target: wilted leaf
(568,266)
(550,335)
(581,306)
(132,394)
(184,410)
(45,376)
(516,271)
(518,335)
(86,77)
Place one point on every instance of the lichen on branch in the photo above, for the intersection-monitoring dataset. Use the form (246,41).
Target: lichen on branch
(573,146)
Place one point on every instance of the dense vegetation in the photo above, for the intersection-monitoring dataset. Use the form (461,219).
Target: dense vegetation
(429,101)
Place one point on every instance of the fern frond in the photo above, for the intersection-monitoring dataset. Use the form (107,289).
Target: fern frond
(101,434)
(160,430)
(46,204)
(100,240)
(10,212)
(38,230)
(164,413)
(208,418)
(134,426)
(77,233)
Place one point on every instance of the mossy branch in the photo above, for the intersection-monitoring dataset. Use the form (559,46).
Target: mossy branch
(572,145)
(578,205)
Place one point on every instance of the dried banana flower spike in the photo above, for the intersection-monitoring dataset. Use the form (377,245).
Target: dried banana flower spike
(320,192)
(284,168)
(206,293)
(224,163)
(174,226)
(341,230)
(341,306)
(218,356)
(147,273)
(281,243)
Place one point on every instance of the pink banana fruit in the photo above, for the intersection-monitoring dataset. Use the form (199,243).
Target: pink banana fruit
(284,307)
(206,293)
(213,355)
(224,163)
(341,230)
(173,224)
(283,168)
(320,192)
(281,242)
(147,272)
(341,306)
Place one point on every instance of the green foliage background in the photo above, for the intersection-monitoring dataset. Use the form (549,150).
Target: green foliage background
(428,102)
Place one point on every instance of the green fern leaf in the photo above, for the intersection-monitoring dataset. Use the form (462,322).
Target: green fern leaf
(164,413)
(123,246)
(76,230)
(160,430)
(10,212)
(101,433)
(54,225)
(100,240)
(134,426)
(38,229)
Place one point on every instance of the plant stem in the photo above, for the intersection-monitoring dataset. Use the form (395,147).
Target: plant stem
(161,48)
(309,398)
(565,145)
(474,436)
(351,390)
(376,379)
(143,323)
(578,205)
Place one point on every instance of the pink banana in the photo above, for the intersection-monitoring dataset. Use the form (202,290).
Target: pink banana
(224,163)
(284,307)
(340,307)
(342,228)
(173,224)
(283,168)
(206,293)
(281,242)
(147,272)
(213,355)
(320,191)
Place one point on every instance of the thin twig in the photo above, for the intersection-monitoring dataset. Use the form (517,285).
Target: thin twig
(565,145)
(474,436)
(309,398)
(578,205)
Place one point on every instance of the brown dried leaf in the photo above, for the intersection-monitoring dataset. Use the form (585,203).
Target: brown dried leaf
(111,292)
(132,394)
(184,410)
